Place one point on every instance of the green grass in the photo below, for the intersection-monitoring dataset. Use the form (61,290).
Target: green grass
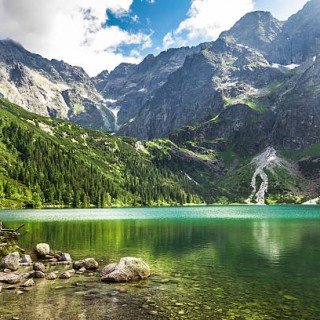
(255,106)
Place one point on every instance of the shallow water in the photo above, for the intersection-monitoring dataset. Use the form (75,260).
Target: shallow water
(238,262)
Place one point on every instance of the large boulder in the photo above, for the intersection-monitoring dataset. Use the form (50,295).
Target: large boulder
(11,261)
(42,250)
(128,269)
(88,264)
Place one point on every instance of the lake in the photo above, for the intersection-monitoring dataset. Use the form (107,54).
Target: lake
(219,262)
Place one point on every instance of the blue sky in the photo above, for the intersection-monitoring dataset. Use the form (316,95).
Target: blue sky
(100,34)
(161,17)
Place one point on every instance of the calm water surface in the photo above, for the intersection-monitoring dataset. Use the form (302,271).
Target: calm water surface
(238,262)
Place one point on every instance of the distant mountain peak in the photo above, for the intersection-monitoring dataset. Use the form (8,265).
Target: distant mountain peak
(256,29)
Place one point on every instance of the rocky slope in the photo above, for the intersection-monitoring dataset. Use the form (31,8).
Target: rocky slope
(241,112)
(129,86)
(51,88)
(257,63)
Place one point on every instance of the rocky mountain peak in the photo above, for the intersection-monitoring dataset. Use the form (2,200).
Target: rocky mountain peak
(256,29)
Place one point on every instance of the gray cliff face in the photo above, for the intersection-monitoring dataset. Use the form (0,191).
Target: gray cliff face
(256,30)
(290,42)
(50,88)
(298,117)
(222,73)
(130,86)
(300,36)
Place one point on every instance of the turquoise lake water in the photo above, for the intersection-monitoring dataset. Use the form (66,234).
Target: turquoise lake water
(220,262)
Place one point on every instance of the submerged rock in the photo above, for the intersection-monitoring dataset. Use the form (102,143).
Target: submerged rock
(128,269)
(26,259)
(88,264)
(51,276)
(39,266)
(42,250)
(65,275)
(81,270)
(65,257)
(39,274)
(28,275)
(11,261)
(29,283)
(10,278)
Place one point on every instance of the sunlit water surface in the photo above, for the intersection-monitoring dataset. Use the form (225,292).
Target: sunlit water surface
(238,262)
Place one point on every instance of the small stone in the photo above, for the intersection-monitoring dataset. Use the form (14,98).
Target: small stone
(88,264)
(28,275)
(51,276)
(19,292)
(81,270)
(42,249)
(71,271)
(10,278)
(7,271)
(28,283)
(48,257)
(39,274)
(0,289)
(11,261)
(39,266)
(26,259)
(65,257)
(153,312)
(25,264)
(65,275)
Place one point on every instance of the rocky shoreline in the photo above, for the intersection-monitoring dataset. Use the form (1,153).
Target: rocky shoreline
(20,273)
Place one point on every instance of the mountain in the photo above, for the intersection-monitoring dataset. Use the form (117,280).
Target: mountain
(244,64)
(233,120)
(220,74)
(48,162)
(130,86)
(51,88)
(257,30)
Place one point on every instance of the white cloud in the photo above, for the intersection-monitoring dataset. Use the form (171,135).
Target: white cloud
(206,19)
(72,30)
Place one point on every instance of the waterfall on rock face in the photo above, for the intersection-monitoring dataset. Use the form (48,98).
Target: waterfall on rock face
(266,160)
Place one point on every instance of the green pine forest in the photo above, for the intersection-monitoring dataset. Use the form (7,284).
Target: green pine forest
(52,163)
(49,163)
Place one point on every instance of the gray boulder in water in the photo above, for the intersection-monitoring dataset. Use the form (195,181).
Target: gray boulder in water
(11,261)
(10,278)
(39,266)
(42,249)
(88,264)
(128,269)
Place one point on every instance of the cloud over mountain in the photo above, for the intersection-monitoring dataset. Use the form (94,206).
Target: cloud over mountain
(74,30)
(206,19)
